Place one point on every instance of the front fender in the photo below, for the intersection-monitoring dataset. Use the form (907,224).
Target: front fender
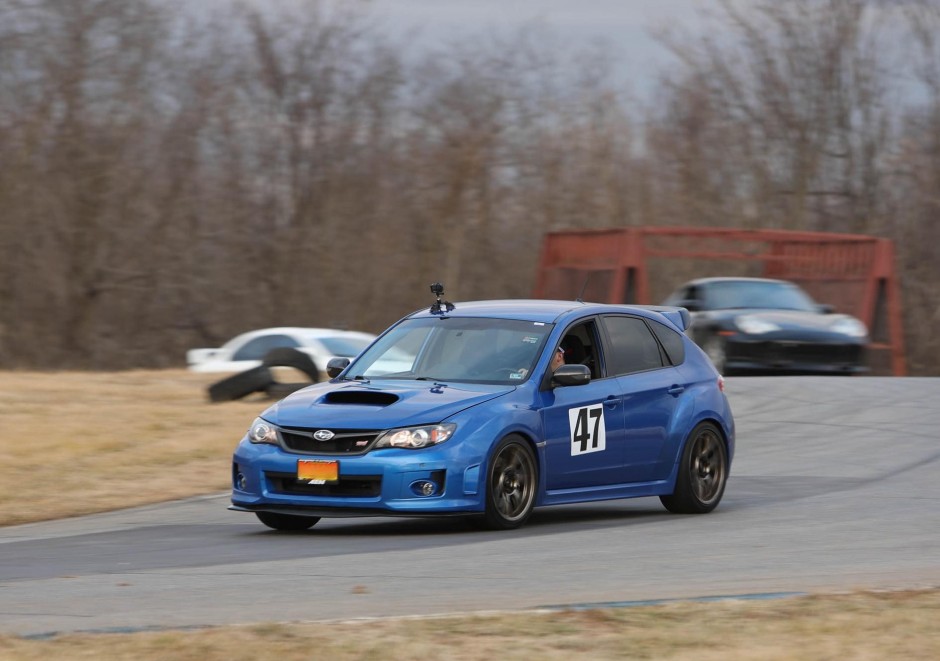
(481,427)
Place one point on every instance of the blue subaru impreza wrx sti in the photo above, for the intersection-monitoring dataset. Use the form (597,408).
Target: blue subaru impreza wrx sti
(493,408)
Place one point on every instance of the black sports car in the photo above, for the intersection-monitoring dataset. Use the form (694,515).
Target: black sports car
(751,325)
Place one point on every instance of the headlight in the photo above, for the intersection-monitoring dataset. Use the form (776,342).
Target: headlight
(851,327)
(415,437)
(262,431)
(755,325)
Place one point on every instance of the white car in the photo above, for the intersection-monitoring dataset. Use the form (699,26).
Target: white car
(248,350)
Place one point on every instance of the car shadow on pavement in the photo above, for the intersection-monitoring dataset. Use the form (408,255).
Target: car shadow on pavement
(595,514)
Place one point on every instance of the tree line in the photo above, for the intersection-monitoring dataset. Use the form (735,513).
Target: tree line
(169,179)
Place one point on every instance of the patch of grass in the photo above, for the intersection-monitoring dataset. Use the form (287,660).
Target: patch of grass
(82,442)
(862,625)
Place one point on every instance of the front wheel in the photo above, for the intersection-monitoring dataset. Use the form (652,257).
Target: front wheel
(286,521)
(511,483)
(703,472)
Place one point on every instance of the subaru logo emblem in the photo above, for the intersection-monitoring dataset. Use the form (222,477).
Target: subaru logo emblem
(323,434)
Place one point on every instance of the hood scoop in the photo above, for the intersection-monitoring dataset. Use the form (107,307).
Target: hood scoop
(360,397)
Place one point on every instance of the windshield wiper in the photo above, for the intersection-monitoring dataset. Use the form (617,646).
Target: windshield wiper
(358,377)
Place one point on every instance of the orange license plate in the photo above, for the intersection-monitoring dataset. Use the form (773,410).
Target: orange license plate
(317,471)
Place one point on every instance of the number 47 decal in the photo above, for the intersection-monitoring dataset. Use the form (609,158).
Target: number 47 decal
(588,433)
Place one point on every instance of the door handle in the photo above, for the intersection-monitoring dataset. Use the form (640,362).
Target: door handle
(676,390)
(611,401)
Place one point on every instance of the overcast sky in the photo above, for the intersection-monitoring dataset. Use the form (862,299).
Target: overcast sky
(623,26)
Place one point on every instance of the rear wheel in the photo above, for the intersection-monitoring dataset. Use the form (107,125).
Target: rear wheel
(703,472)
(286,521)
(511,482)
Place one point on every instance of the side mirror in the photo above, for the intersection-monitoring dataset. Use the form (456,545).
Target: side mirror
(571,375)
(826,308)
(336,366)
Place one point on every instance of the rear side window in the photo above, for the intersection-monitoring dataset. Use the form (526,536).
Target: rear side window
(671,341)
(633,347)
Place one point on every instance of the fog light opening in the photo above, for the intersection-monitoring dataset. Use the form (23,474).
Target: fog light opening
(424,488)
(241,482)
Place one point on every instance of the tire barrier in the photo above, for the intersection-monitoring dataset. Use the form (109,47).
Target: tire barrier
(286,357)
(262,378)
(294,359)
(241,384)
(282,390)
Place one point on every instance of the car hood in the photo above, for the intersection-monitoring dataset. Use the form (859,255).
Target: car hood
(378,404)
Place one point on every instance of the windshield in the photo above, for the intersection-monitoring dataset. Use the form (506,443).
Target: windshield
(476,350)
(757,294)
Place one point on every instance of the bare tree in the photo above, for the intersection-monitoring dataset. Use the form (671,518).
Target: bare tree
(80,74)
(793,97)
(913,182)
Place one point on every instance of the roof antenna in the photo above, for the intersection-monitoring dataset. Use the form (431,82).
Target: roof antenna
(583,287)
(438,290)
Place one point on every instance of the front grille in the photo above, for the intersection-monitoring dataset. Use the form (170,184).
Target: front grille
(363,486)
(782,352)
(344,441)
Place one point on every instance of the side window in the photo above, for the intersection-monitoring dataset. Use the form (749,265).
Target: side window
(580,345)
(671,341)
(633,347)
(256,349)
(711,297)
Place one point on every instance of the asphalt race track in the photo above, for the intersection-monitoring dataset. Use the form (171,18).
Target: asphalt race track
(835,486)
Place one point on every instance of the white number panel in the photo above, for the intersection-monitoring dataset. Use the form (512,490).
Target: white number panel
(588,433)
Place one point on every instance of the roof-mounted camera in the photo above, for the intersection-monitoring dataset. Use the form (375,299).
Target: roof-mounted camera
(440,307)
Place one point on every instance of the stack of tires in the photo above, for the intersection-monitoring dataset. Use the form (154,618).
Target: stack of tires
(262,378)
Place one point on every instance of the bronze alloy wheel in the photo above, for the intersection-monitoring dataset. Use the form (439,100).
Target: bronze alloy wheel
(703,472)
(707,466)
(511,484)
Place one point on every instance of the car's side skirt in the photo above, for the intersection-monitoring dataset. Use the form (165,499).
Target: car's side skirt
(607,492)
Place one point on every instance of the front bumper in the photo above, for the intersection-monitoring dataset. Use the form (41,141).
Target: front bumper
(794,356)
(382,482)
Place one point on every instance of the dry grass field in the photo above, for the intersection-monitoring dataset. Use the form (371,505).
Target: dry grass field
(861,626)
(75,443)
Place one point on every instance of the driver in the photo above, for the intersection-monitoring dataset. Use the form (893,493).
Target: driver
(558,359)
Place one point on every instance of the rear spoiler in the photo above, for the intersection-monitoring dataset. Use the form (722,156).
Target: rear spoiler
(678,316)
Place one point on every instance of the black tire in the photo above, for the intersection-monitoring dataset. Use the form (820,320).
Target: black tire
(290,522)
(703,473)
(511,484)
(287,357)
(282,390)
(241,384)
